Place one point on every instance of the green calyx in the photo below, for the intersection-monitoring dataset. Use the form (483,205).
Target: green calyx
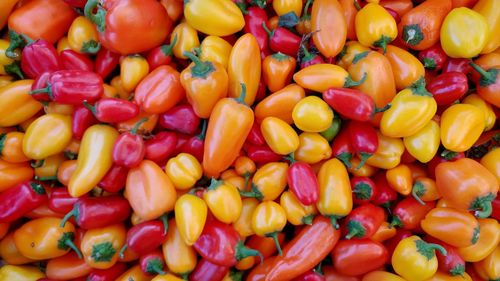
(3,137)
(164,220)
(214,184)
(35,164)
(364,157)
(308,219)
(236,275)
(345,157)
(290,158)
(37,188)
(382,109)
(253,193)
(16,41)
(412,34)
(457,270)
(14,69)
(99,18)
(280,56)
(448,154)
(351,83)
(482,205)
(260,3)
(429,63)
(51,178)
(204,123)
(418,88)
(475,234)
(333,221)
(241,252)
(427,249)
(66,242)
(103,252)
(359,57)
(91,47)
(362,191)
(488,77)
(167,50)
(137,125)
(70,155)
(355,229)
(382,42)
(274,235)
(396,222)
(418,191)
(201,69)
(155,266)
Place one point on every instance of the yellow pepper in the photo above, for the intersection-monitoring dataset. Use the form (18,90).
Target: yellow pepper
(49,167)
(117,85)
(190,217)
(375,27)
(243,224)
(491,11)
(461,126)
(94,159)
(491,161)
(489,268)
(216,49)
(424,144)
(464,33)
(4,60)
(100,246)
(184,170)
(223,200)
(63,44)
(489,115)
(335,194)
(48,135)
(282,7)
(296,212)
(351,49)
(268,219)
(281,137)
(322,76)
(489,237)
(54,107)
(179,257)
(16,105)
(167,277)
(406,68)
(132,69)
(414,259)
(187,39)
(224,18)
(11,147)
(382,276)
(83,36)
(313,148)
(269,181)
(388,154)
(400,179)
(312,115)
(20,273)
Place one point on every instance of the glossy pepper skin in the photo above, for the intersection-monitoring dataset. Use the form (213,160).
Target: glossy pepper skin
(364,140)
(277,71)
(38,57)
(352,103)
(105,62)
(11,147)
(13,272)
(60,201)
(302,182)
(485,245)
(268,219)
(160,146)
(109,274)
(223,200)
(254,18)
(21,199)
(161,55)
(328,19)
(233,22)
(467,185)
(489,83)
(129,148)
(363,189)
(82,118)
(322,76)
(16,104)
(70,59)
(113,110)
(407,69)
(184,170)
(114,180)
(363,221)
(433,58)
(190,216)
(144,237)
(349,255)
(451,263)
(375,27)
(448,87)
(207,271)
(100,246)
(491,13)
(152,263)
(408,213)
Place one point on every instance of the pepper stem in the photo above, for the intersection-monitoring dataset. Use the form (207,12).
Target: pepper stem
(355,229)
(345,157)
(241,252)
(482,206)
(214,184)
(16,41)
(305,11)
(382,42)
(167,50)
(290,157)
(412,34)
(308,219)
(164,220)
(333,221)
(480,70)
(396,221)
(488,77)
(122,251)
(269,32)
(72,245)
(364,157)
(386,107)
(155,266)
(356,5)
(52,178)
(253,193)
(38,91)
(201,68)
(427,249)
(274,235)
(241,98)
(417,191)
(351,83)
(90,107)
(67,217)
(204,124)
(36,164)
(138,125)
(99,18)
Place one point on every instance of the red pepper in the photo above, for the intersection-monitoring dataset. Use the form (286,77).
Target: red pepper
(363,189)
(452,263)
(357,257)
(113,110)
(109,274)
(40,83)
(152,263)
(262,154)
(129,148)
(207,271)
(394,14)
(495,204)
(448,87)
(70,59)
(38,57)
(161,55)
(60,201)
(82,119)
(488,84)
(309,58)
(146,236)
(221,244)
(195,145)
(458,65)
(342,148)
(76,3)
(363,221)
(115,179)
(433,58)
(255,136)
(73,87)
(254,18)
(21,199)
(408,213)
(384,194)
(182,139)
(364,140)
(261,90)
(159,148)
(105,62)
(391,244)
(181,118)
(95,212)
(352,104)
(283,40)
(302,182)
(444,156)
(311,275)
(470,269)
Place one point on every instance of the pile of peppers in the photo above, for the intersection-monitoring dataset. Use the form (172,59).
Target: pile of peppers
(209,140)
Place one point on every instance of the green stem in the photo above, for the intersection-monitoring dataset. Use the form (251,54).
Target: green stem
(305,11)
(418,190)
(269,32)
(122,251)
(67,217)
(90,107)
(167,50)
(386,107)
(36,164)
(200,69)
(333,221)
(164,220)
(356,5)
(52,178)
(72,245)
(204,123)
(99,18)
(138,125)
(364,157)
(241,98)
(351,83)
(481,71)
(274,235)
(290,157)
(241,252)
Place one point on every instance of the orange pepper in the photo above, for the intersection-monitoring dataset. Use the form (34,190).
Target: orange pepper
(364,171)
(66,267)
(50,166)
(269,181)
(11,147)
(174,8)
(244,166)
(330,27)
(486,244)
(134,273)
(407,69)
(16,105)
(277,71)
(280,104)
(425,189)
(349,52)
(65,171)
(100,246)
(384,232)
(6,8)
(350,11)
(491,161)
(179,257)
(400,179)
(14,173)
(53,107)
(489,268)
(9,252)
(243,223)
(320,77)
(144,128)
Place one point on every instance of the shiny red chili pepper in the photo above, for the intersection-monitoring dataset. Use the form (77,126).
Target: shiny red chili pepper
(182,140)
(82,119)
(41,83)
(441,157)
(38,57)
(146,236)
(221,244)
(73,87)
(283,40)
(391,244)
(20,199)
(152,263)
(129,148)
(109,274)
(195,145)
(352,103)
(448,87)
(261,154)
(302,182)
(358,256)
(113,110)
(433,58)
(495,204)
(115,179)
(364,140)
(384,194)
(76,3)
(161,55)
(105,62)
(363,190)
(253,24)
(181,118)
(255,136)
(363,221)
(311,275)
(342,148)
(458,65)
(451,263)
(309,58)
(160,146)
(207,271)
(60,201)
(95,212)
(70,59)
(408,213)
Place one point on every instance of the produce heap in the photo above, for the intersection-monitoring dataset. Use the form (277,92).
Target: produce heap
(212,140)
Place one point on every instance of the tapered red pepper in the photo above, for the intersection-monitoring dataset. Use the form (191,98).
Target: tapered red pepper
(364,221)
(321,77)
(408,213)
(342,147)
(208,271)
(282,40)
(363,189)
(100,246)
(60,201)
(262,154)
(82,118)
(161,55)
(384,194)
(160,146)
(375,27)
(144,237)
(352,103)
(152,263)
(114,180)
(415,259)
(268,219)
(109,274)
(451,263)
(105,62)
(113,110)
(254,18)
(70,59)
(308,57)
(21,199)
(363,140)
(38,57)
(433,58)
(98,211)
(181,118)
(357,257)
(129,148)
(302,182)
(448,87)
(94,159)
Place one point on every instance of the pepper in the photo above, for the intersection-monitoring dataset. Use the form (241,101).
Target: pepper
(9,252)
(335,195)
(70,59)
(69,266)
(105,62)
(491,14)
(464,33)
(38,57)
(113,110)
(135,273)
(467,185)
(455,227)
(254,18)
(282,7)
(302,182)
(406,68)
(21,199)
(375,27)
(262,154)
(485,107)
(444,156)
(269,181)
(279,104)
(363,221)
(425,190)
(94,159)
(190,217)
(312,114)
(129,148)
(277,71)
(433,58)
(109,274)
(381,275)
(114,180)
(327,18)
(321,77)
(6,8)
(459,65)
(152,263)
(363,140)
(161,146)
(408,213)
(351,51)
(488,267)
(207,271)
(11,147)
(488,84)
(400,179)
(268,219)
(342,148)
(363,189)
(280,136)
(83,36)
(357,257)
(13,272)
(16,105)
(452,263)
(384,194)
(223,200)
(183,170)
(384,232)
(448,87)
(424,144)
(490,161)
(314,147)
(149,190)
(82,118)
(216,49)
(161,55)
(60,201)
(296,212)
(100,246)
(187,40)
(415,259)
(225,19)
(43,238)
(144,237)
